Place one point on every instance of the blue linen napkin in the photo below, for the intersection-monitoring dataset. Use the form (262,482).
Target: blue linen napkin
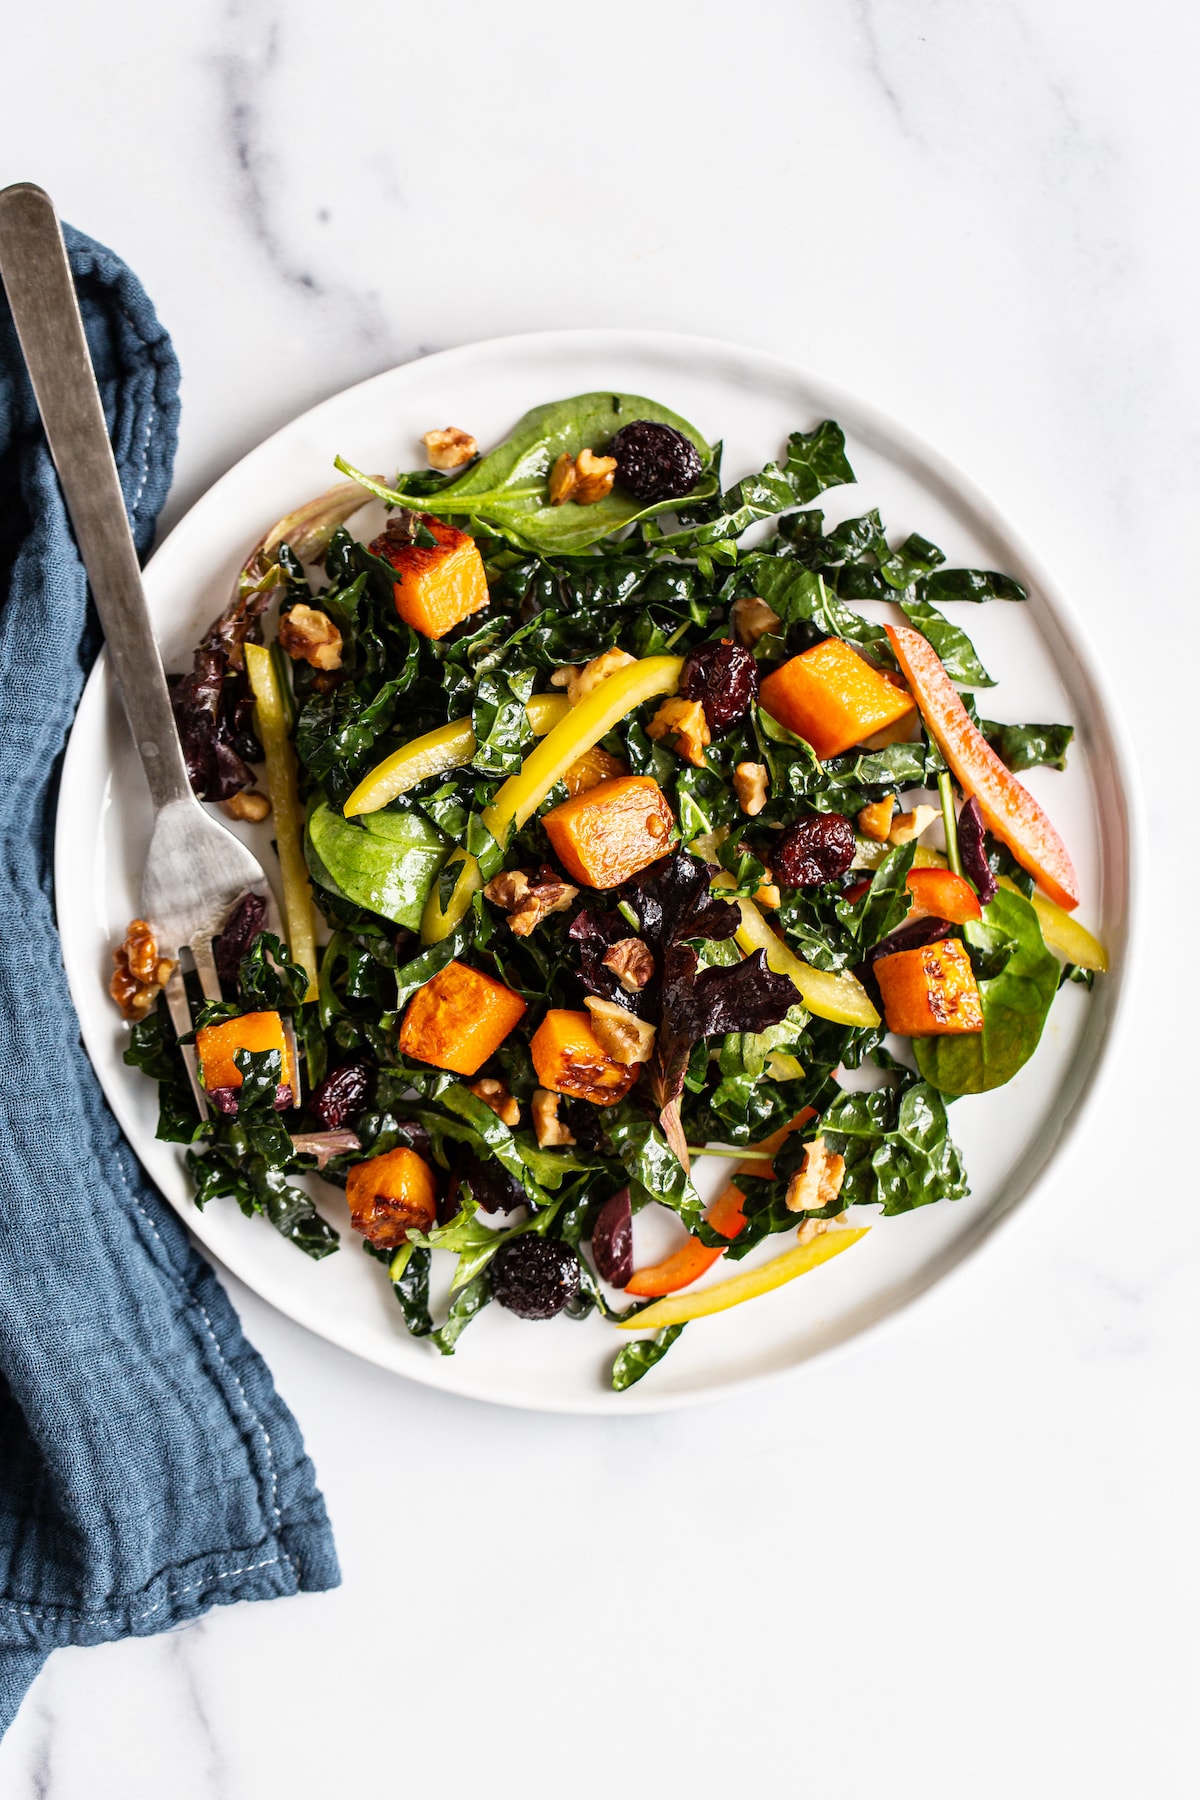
(148,1468)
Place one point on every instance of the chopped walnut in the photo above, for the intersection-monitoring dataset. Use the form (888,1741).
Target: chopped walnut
(580,682)
(249,805)
(875,821)
(810,1229)
(819,1181)
(547,1126)
(449,448)
(496,1095)
(751,619)
(909,825)
(750,786)
(584,479)
(139,972)
(684,722)
(562,677)
(310,636)
(527,902)
(632,962)
(620,1034)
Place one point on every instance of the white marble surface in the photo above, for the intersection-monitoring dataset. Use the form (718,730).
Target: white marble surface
(961,1562)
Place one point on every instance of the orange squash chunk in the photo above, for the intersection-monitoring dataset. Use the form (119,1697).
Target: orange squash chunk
(458,1019)
(930,991)
(832,697)
(589,770)
(391,1194)
(436,589)
(257,1031)
(606,834)
(568,1060)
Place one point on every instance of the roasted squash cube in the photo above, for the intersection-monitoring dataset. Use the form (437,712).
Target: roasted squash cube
(606,834)
(436,589)
(391,1194)
(590,769)
(458,1019)
(834,698)
(930,991)
(257,1031)
(569,1060)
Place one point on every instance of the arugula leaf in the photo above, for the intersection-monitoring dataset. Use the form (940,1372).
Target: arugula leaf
(1029,746)
(507,490)
(467,1302)
(638,1358)
(1016,1000)
(951,643)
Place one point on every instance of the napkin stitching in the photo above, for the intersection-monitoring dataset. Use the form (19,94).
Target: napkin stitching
(55,1613)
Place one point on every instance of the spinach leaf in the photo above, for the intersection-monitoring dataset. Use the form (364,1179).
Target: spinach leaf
(387,864)
(638,1358)
(1016,1000)
(951,643)
(1029,746)
(507,490)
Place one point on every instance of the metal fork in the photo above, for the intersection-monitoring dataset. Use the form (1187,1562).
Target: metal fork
(196,871)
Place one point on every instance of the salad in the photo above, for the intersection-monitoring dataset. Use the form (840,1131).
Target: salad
(611,831)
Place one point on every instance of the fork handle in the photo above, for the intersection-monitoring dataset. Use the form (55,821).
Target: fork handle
(41,293)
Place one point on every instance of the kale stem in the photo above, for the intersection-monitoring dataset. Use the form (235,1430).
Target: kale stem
(946,794)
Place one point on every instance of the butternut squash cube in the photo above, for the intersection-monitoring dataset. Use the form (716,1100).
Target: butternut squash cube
(436,589)
(569,1060)
(458,1019)
(257,1031)
(609,832)
(930,991)
(391,1194)
(590,769)
(834,698)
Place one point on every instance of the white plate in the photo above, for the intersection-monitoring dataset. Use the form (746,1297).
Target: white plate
(1044,670)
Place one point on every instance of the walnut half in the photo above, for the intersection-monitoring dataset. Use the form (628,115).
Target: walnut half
(619,1033)
(139,972)
(449,448)
(632,962)
(495,1094)
(547,1127)
(682,721)
(750,786)
(310,636)
(819,1181)
(528,902)
(585,478)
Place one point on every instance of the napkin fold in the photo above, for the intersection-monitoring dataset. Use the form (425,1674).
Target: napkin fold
(148,1468)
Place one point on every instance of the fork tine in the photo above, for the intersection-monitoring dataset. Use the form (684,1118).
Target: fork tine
(181,1018)
(206,968)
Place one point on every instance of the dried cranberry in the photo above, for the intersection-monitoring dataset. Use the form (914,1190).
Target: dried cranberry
(612,1239)
(816,849)
(724,677)
(342,1095)
(237,935)
(493,1188)
(655,462)
(223,1100)
(972,847)
(534,1277)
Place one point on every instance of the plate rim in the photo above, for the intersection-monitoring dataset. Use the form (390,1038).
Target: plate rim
(1125,835)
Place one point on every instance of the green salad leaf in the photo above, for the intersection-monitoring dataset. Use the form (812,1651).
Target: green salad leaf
(1018,979)
(507,490)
